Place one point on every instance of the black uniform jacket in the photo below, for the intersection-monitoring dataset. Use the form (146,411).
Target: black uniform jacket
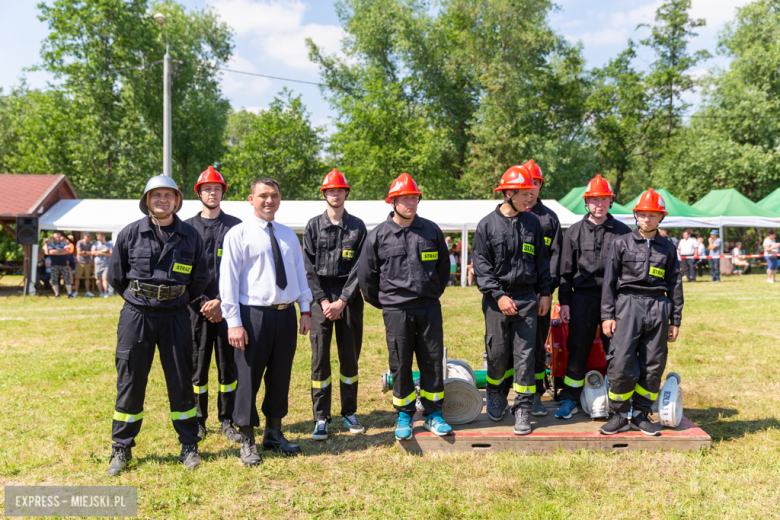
(584,253)
(553,238)
(633,267)
(138,255)
(331,253)
(510,259)
(212,235)
(404,266)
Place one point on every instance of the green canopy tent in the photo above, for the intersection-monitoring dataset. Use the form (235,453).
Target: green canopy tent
(574,202)
(771,201)
(736,210)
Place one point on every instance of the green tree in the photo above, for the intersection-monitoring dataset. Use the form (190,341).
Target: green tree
(280,143)
(732,140)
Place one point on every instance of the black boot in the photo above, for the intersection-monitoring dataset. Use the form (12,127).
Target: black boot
(189,456)
(201,430)
(248,452)
(230,432)
(274,440)
(119,459)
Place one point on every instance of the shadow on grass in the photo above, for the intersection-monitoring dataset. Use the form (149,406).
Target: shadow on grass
(340,440)
(715,422)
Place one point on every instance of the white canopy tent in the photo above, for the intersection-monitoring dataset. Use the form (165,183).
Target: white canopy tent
(452,216)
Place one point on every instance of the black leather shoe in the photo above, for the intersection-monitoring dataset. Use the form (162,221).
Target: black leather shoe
(274,440)
(119,460)
(189,456)
(248,451)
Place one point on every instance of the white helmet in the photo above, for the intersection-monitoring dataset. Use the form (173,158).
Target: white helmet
(159,181)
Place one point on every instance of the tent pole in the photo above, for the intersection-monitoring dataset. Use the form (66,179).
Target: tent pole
(464,256)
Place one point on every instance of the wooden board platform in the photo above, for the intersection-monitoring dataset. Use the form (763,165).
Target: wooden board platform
(549,434)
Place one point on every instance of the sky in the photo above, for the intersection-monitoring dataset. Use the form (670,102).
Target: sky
(270,36)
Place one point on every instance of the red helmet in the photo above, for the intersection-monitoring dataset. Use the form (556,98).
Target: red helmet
(403,185)
(211,175)
(335,179)
(516,178)
(651,201)
(598,187)
(536,172)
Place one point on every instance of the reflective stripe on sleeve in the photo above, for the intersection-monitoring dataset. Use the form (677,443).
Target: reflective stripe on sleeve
(127,417)
(180,416)
(572,383)
(321,384)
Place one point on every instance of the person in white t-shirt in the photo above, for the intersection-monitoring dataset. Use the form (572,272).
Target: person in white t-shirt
(771,246)
(687,247)
(738,259)
(700,251)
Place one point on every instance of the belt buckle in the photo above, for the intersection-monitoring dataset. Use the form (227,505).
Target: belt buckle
(282,306)
(159,293)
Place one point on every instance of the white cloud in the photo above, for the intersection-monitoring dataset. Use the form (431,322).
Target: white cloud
(256,110)
(716,13)
(277,28)
(232,82)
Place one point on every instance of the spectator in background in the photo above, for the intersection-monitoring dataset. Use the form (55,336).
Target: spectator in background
(44,270)
(701,251)
(453,263)
(771,246)
(84,263)
(715,248)
(58,251)
(101,252)
(71,259)
(448,240)
(687,247)
(664,233)
(738,259)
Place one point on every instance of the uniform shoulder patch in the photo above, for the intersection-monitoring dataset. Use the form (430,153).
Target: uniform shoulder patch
(434,255)
(528,248)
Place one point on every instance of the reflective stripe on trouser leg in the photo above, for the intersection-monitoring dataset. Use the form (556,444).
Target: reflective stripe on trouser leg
(349,342)
(585,311)
(321,378)
(540,351)
(139,335)
(640,335)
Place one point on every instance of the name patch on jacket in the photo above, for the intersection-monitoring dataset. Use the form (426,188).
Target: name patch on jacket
(654,271)
(547,241)
(528,248)
(430,256)
(347,253)
(181,268)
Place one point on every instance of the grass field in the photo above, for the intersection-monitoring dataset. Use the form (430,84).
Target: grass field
(57,391)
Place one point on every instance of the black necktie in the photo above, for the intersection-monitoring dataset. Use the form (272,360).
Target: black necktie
(281,274)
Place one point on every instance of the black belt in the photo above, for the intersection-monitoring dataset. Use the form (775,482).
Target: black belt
(280,307)
(158,292)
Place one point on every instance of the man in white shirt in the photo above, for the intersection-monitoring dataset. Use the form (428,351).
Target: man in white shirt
(687,247)
(262,275)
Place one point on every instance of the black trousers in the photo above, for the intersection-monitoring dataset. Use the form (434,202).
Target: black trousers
(688,270)
(209,338)
(349,340)
(639,351)
(268,357)
(416,332)
(138,334)
(585,317)
(512,339)
(540,351)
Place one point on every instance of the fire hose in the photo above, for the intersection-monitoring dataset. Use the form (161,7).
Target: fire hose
(462,400)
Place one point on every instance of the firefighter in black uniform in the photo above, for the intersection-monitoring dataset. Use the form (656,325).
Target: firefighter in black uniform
(403,270)
(157,267)
(511,267)
(641,306)
(553,239)
(583,255)
(331,248)
(209,330)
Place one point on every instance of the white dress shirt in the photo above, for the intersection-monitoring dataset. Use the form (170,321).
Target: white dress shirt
(247,274)
(688,246)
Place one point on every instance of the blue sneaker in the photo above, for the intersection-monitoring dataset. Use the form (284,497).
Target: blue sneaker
(436,424)
(320,431)
(404,426)
(566,410)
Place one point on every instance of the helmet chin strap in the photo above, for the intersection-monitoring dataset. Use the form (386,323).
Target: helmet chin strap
(636,221)
(508,200)
(396,212)
(342,204)
(157,217)
(206,203)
